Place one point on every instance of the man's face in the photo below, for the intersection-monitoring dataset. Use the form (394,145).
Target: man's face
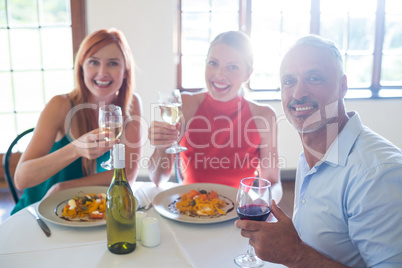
(312,88)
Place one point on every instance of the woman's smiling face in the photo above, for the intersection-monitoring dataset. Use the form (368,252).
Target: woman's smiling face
(104,72)
(226,70)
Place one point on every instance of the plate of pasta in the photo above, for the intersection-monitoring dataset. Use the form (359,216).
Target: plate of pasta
(198,203)
(76,207)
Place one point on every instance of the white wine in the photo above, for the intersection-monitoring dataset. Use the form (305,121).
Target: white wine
(171,113)
(115,128)
(120,208)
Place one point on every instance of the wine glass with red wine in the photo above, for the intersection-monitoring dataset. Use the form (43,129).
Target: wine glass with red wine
(253,203)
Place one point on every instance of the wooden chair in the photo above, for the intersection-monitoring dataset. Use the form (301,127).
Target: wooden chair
(6,165)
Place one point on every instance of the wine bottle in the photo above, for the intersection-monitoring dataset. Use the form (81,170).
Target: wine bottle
(120,208)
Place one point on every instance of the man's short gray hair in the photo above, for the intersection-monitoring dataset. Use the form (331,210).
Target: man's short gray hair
(320,42)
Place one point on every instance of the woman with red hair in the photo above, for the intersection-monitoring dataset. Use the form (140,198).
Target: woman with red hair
(67,147)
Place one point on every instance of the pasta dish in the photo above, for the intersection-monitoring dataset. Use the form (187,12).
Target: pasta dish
(201,203)
(88,205)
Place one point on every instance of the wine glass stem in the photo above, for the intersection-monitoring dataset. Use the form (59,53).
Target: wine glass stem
(111,157)
(250,251)
(175,144)
(250,256)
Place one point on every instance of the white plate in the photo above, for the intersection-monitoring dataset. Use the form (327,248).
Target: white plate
(51,208)
(164,202)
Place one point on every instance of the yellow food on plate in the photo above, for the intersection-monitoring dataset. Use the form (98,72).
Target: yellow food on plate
(201,203)
(92,206)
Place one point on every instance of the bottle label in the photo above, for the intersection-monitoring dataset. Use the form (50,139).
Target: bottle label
(119,156)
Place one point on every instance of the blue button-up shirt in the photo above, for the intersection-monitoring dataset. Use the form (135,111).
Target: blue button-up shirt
(349,206)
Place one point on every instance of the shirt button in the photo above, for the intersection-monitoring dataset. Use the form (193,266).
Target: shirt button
(303,201)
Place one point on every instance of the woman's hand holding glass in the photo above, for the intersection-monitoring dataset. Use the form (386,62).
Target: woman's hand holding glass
(170,105)
(92,145)
(162,135)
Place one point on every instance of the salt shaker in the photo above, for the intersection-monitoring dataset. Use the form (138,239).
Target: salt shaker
(139,217)
(150,235)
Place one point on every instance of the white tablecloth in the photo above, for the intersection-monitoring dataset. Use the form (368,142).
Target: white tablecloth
(23,243)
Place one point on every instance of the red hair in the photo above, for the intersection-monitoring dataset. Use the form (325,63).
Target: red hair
(80,94)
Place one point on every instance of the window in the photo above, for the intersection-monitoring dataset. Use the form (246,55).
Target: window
(38,39)
(369,38)
(200,21)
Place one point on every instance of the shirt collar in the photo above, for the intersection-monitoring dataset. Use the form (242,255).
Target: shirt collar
(343,144)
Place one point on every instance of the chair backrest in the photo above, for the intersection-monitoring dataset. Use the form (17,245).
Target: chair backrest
(6,165)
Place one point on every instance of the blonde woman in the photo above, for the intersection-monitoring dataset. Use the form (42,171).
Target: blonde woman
(227,137)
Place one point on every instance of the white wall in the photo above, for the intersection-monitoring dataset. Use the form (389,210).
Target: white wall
(149,27)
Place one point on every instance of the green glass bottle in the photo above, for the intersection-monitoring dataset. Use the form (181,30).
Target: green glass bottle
(120,208)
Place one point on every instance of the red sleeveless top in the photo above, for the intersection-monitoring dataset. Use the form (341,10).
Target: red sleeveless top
(223,143)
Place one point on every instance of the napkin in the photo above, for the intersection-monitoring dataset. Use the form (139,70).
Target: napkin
(142,198)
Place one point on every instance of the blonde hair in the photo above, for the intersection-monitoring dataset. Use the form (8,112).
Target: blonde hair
(86,118)
(239,41)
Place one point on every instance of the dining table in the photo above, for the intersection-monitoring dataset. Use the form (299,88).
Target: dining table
(182,244)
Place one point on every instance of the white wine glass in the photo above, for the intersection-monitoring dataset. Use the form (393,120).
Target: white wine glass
(253,202)
(111,121)
(170,105)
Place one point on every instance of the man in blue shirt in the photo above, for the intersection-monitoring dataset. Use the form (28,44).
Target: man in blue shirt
(348,191)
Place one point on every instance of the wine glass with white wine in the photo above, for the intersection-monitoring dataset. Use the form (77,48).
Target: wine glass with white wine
(170,104)
(111,121)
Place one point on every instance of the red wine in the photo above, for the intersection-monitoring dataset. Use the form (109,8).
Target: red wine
(253,212)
